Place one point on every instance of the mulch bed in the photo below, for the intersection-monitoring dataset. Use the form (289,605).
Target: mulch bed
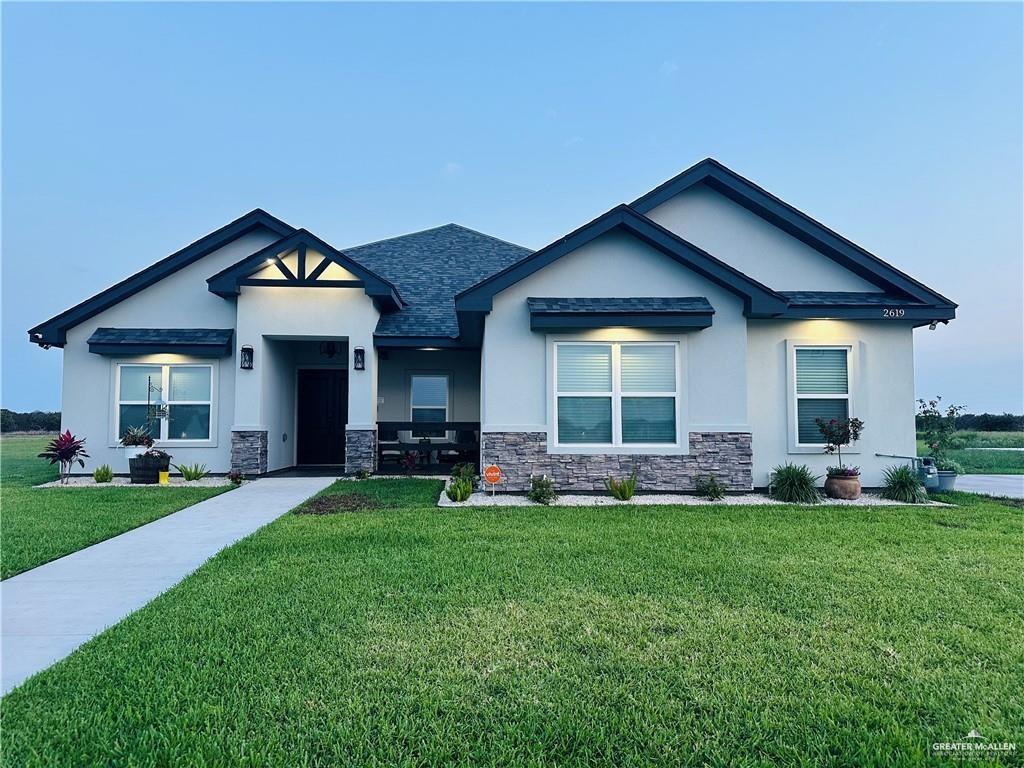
(338,503)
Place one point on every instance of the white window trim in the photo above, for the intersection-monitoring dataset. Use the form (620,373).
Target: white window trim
(852,377)
(447,406)
(681,444)
(165,367)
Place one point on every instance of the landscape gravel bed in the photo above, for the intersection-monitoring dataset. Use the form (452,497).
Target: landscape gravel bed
(485,499)
(86,481)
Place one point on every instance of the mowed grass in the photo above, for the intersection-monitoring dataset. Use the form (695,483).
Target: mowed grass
(41,524)
(986,462)
(627,636)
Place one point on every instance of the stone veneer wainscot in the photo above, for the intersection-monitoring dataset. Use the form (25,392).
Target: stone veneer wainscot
(360,450)
(727,455)
(249,452)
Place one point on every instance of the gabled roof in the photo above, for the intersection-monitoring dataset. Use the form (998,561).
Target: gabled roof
(430,268)
(758,299)
(228,281)
(792,221)
(53,332)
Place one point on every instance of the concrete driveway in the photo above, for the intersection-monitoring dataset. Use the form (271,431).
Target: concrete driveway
(993,485)
(51,610)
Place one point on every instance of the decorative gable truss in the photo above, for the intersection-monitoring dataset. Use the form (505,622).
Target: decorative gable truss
(305,261)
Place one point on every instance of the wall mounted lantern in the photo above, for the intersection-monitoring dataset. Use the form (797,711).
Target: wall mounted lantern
(359,359)
(246,359)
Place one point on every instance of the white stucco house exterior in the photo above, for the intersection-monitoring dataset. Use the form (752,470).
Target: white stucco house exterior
(699,329)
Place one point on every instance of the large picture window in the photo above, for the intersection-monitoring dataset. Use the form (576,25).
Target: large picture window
(186,390)
(822,389)
(616,393)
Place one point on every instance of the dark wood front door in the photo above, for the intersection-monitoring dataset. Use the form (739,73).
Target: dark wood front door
(322,414)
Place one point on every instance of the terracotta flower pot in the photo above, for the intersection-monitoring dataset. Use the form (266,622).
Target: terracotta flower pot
(843,487)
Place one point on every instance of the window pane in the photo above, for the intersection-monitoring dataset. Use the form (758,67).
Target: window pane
(648,368)
(430,391)
(809,410)
(135,416)
(584,368)
(190,382)
(433,415)
(134,381)
(821,371)
(584,419)
(648,419)
(188,422)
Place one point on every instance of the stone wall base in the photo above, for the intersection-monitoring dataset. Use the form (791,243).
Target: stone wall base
(360,450)
(726,455)
(249,452)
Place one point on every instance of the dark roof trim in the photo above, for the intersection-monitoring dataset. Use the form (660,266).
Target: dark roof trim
(53,332)
(195,342)
(228,282)
(792,221)
(758,299)
(420,342)
(550,314)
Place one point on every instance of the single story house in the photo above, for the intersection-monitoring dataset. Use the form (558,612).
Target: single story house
(700,329)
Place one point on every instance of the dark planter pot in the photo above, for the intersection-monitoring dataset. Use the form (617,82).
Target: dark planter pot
(145,470)
(947,480)
(843,487)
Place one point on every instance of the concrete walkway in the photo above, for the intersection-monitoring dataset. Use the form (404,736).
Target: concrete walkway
(993,485)
(51,610)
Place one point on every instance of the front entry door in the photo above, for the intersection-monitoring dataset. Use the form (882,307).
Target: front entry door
(322,415)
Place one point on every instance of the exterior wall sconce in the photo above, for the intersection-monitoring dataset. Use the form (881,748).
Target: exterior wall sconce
(246,359)
(359,359)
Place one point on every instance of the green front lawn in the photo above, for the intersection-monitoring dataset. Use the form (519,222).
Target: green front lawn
(41,524)
(986,462)
(410,635)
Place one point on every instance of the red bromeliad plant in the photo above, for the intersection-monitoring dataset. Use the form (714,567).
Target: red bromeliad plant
(837,433)
(67,450)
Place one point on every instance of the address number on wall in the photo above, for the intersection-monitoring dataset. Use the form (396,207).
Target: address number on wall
(893,312)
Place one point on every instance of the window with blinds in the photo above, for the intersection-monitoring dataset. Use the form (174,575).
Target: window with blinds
(822,389)
(185,390)
(616,393)
(429,403)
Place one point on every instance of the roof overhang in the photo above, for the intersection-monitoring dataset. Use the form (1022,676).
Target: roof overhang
(229,282)
(194,342)
(552,315)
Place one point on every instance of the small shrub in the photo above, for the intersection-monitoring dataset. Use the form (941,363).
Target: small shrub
(465,471)
(103,474)
(65,450)
(136,436)
(236,477)
(622,490)
(363,474)
(410,460)
(542,490)
(459,489)
(903,484)
(794,484)
(709,487)
(192,471)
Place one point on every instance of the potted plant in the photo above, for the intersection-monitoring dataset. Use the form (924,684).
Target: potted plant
(146,469)
(136,441)
(842,482)
(937,428)
(66,450)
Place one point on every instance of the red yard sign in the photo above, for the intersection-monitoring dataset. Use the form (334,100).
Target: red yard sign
(492,474)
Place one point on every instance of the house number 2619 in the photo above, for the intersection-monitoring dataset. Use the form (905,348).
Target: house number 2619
(893,312)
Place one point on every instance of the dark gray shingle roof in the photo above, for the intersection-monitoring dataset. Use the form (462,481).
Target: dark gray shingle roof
(844,298)
(212,342)
(429,268)
(645,304)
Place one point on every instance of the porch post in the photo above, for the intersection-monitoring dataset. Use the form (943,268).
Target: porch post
(361,430)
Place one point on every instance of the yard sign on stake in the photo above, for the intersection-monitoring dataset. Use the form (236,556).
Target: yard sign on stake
(492,475)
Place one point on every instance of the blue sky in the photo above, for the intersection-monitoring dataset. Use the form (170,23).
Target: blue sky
(130,130)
